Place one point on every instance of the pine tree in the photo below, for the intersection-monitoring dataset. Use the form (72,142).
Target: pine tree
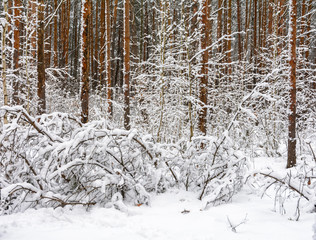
(204,69)
(17,30)
(108,57)
(3,62)
(291,157)
(41,60)
(85,68)
(126,64)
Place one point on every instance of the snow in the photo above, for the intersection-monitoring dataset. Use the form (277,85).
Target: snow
(173,215)
(176,214)
(163,220)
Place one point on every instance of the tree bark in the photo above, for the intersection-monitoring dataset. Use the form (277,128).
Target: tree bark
(66,46)
(3,62)
(16,52)
(86,11)
(229,33)
(41,108)
(308,29)
(219,25)
(48,38)
(108,57)
(126,64)
(239,23)
(102,46)
(96,45)
(55,36)
(270,24)
(291,157)
(204,69)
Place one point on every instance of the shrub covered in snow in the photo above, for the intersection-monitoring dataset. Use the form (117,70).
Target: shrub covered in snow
(298,182)
(54,160)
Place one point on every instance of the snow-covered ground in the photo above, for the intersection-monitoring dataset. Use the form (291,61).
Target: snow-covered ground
(173,215)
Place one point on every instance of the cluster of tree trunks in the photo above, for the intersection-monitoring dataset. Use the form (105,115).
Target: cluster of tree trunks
(102,36)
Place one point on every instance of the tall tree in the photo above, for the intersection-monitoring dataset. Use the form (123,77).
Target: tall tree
(3,61)
(16,52)
(291,156)
(127,64)
(308,28)
(239,24)
(102,45)
(66,34)
(204,69)
(41,108)
(96,44)
(219,24)
(55,35)
(108,56)
(85,21)
(229,33)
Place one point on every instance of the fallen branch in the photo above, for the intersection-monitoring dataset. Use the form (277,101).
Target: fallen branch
(289,184)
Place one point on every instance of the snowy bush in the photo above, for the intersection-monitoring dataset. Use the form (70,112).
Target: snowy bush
(54,160)
(213,169)
(298,182)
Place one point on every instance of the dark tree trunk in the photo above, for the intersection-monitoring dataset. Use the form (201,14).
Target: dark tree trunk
(291,157)
(41,60)
(85,62)
(204,70)
(126,65)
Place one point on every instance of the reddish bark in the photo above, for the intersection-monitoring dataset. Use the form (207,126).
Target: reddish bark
(41,60)
(85,62)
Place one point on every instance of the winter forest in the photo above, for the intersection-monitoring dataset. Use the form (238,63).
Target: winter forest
(111,104)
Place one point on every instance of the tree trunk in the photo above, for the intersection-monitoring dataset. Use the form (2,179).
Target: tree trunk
(16,52)
(3,62)
(96,45)
(281,25)
(41,108)
(102,46)
(239,23)
(303,23)
(66,46)
(247,25)
(219,25)
(91,44)
(108,57)
(48,38)
(270,24)
(291,157)
(229,41)
(85,21)
(55,36)
(141,40)
(146,39)
(204,69)
(126,64)
(308,29)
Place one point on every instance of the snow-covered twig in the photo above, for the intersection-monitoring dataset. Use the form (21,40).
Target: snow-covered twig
(233,227)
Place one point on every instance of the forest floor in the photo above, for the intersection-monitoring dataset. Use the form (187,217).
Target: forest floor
(174,215)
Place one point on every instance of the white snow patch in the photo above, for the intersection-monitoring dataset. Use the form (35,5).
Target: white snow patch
(164,220)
